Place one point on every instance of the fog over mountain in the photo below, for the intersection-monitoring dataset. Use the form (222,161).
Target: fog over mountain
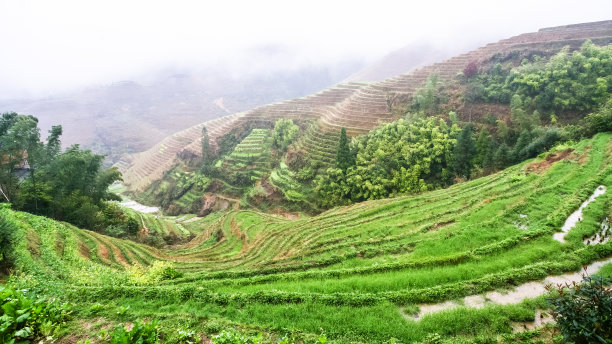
(119,76)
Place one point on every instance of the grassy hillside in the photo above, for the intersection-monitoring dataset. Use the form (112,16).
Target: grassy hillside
(358,273)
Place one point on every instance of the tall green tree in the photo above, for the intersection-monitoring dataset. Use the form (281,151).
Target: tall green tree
(424,99)
(502,156)
(488,162)
(465,151)
(524,139)
(19,148)
(482,146)
(344,158)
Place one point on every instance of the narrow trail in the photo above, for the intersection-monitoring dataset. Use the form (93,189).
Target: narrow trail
(514,296)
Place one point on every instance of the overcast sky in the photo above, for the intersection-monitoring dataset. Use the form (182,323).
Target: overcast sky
(51,46)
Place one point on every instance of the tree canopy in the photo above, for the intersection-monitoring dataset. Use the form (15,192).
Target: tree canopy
(396,158)
(284,133)
(39,178)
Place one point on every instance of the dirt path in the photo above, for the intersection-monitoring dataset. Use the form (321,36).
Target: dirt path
(219,103)
(514,296)
(103,251)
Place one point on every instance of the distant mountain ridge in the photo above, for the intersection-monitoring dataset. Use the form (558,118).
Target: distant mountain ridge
(131,116)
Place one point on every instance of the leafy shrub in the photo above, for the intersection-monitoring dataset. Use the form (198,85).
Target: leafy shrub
(24,318)
(233,337)
(159,271)
(213,326)
(583,311)
(187,337)
(142,333)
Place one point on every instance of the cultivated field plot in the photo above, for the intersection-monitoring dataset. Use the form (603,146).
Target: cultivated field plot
(394,268)
(250,158)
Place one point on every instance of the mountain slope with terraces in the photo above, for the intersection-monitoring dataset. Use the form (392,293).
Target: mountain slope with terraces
(390,270)
(356,106)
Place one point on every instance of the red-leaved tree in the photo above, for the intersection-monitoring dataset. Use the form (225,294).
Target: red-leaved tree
(470,70)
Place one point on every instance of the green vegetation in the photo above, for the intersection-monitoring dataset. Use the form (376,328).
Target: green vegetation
(141,332)
(396,158)
(68,186)
(26,317)
(249,160)
(582,311)
(285,133)
(355,273)
(578,81)
(399,231)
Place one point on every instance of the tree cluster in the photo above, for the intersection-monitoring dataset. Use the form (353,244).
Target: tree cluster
(578,81)
(70,186)
(396,158)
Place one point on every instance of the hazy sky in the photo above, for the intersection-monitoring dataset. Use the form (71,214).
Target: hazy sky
(50,46)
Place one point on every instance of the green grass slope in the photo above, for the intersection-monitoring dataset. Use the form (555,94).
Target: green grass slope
(356,273)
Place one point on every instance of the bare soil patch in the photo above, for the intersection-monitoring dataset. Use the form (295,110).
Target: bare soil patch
(541,166)
(103,251)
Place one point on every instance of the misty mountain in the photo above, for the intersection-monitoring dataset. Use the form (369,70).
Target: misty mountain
(411,56)
(132,115)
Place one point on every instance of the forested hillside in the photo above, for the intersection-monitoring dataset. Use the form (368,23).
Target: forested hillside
(489,116)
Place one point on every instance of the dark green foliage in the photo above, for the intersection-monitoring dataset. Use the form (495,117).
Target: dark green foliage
(482,147)
(285,133)
(142,333)
(344,158)
(502,157)
(69,186)
(117,222)
(488,162)
(523,141)
(583,311)
(464,153)
(54,145)
(540,144)
(78,187)
(24,318)
(20,147)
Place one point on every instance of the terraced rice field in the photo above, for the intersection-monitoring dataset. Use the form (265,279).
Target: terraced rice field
(362,272)
(251,156)
(284,180)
